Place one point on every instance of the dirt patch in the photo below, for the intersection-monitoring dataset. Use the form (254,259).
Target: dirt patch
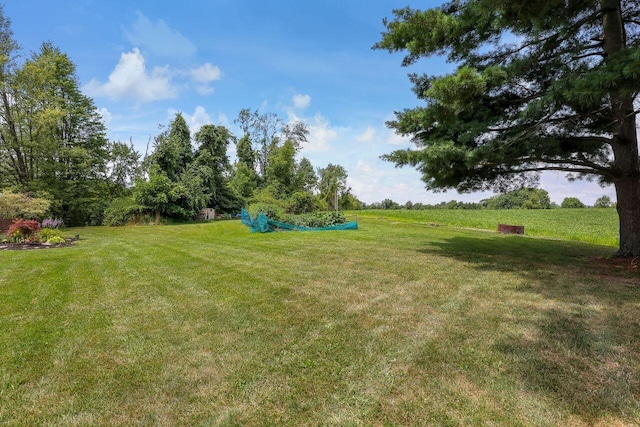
(623,271)
(629,264)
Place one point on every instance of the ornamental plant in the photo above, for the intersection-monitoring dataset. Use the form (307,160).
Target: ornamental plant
(53,223)
(23,230)
(56,240)
(47,234)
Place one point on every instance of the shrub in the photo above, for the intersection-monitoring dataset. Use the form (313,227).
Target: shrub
(121,211)
(316,219)
(23,229)
(46,234)
(52,223)
(572,203)
(301,202)
(272,211)
(56,240)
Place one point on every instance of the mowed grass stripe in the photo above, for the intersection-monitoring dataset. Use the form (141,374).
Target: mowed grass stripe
(209,324)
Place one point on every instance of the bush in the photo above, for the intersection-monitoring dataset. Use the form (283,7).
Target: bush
(46,234)
(23,230)
(301,202)
(56,240)
(272,211)
(316,219)
(121,211)
(572,203)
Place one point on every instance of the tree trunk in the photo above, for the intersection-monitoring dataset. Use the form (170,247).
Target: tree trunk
(628,205)
(625,138)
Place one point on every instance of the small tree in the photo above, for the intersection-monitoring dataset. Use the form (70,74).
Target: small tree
(13,205)
(603,202)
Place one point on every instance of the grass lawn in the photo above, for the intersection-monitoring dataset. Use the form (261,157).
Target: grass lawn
(394,324)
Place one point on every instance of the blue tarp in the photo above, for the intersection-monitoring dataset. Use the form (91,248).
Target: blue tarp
(263,224)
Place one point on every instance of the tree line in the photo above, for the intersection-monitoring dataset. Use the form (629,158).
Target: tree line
(177,180)
(54,148)
(522,198)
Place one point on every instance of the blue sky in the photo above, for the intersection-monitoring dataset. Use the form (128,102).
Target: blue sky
(143,61)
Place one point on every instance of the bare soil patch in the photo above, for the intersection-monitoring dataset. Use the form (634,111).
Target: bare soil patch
(624,271)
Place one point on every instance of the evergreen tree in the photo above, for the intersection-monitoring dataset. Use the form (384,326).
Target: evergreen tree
(540,85)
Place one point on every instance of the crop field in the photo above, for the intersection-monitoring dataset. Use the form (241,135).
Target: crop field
(397,323)
(598,226)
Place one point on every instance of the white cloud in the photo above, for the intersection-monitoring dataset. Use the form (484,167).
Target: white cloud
(395,139)
(158,38)
(363,168)
(301,101)
(321,134)
(204,75)
(130,80)
(106,116)
(367,135)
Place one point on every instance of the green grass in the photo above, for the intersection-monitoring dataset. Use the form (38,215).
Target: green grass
(598,226)
(393,324)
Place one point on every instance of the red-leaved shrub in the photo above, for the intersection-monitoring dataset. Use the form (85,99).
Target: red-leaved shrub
(23,229)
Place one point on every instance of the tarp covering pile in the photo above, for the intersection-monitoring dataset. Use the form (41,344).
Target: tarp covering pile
(263,224)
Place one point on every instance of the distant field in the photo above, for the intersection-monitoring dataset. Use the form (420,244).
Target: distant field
(392,324)
(597,226)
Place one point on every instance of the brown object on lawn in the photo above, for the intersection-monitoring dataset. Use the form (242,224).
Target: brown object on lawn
(510,229)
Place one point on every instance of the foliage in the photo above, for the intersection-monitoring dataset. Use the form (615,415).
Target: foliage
(301,202)
(523,198)
(52,223)
(54,139)
(47,234)
(263,133)
(603,202)
(332,184)
(181,181)
(23,229)
(541,85)
(212,164)
(13,205)
(274,210)
(572,203)
(122,211)
(123,167)
(56,240)
(316,219)
(305,178)
(155,194)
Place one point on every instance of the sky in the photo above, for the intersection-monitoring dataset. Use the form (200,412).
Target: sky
(144,61)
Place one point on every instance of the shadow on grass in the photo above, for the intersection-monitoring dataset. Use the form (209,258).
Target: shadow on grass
(572,326)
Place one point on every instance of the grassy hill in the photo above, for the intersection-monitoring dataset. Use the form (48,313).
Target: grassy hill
(396,324)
